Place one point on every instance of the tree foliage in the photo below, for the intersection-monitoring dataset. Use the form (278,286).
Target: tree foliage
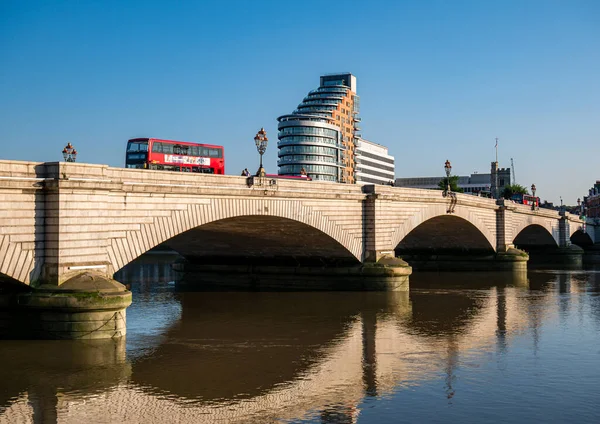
(443,184)
(511,189)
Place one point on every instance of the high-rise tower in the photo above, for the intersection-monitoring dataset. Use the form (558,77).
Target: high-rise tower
(321,134)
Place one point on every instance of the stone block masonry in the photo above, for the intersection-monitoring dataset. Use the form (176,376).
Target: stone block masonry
(60,220)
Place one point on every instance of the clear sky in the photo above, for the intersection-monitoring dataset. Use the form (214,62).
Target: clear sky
(437,79)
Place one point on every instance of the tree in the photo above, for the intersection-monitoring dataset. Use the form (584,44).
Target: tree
(511,189)
(443,184)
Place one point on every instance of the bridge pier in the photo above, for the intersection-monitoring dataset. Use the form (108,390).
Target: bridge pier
(86,306)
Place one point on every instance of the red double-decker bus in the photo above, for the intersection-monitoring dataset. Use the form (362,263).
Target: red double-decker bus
(170,155)
(526,199)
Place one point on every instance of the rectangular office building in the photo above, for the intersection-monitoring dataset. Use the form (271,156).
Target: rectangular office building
(373,163)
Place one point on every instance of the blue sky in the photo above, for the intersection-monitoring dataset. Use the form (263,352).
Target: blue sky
(437,79)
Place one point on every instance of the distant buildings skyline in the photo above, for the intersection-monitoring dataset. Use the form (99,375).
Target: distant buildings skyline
(474,184)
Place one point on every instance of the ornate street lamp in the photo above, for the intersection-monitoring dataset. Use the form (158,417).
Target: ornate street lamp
(69,153)
(448,169)
(261,142)
(579,205)
(533,194)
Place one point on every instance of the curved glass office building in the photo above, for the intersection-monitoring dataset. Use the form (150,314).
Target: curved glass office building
(319,136)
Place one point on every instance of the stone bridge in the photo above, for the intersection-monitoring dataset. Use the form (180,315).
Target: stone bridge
(59,220)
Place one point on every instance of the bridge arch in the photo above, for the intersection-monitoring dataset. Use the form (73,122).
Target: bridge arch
(535,235)
(479,226)
(581,238)
(551,227)
(122,251)
(18,264)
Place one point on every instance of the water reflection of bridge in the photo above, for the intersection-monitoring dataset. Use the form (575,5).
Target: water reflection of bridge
(286,357)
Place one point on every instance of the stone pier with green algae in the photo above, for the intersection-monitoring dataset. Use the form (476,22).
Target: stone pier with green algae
(86,306)
(387,274)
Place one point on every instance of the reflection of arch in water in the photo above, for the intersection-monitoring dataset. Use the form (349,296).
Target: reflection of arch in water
(333,373)
(86,367)
(336,380)
(405,351)
(235,332)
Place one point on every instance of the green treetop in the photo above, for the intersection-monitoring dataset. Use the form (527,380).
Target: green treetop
(443,184)
(511,189)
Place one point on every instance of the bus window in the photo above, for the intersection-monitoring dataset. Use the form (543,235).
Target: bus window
(180,150)
(214,153)
(137,146)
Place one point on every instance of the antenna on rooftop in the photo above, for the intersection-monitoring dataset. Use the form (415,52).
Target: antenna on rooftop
(496,146)
(512,165)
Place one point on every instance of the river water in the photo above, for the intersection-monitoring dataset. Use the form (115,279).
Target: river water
(458,348)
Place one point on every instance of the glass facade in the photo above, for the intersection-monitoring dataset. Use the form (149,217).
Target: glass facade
(291,150)
(317,138)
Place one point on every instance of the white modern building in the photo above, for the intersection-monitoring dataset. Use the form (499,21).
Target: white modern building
(373,163)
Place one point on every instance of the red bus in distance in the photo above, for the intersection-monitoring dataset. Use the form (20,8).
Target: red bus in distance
(170,155)
(526,199)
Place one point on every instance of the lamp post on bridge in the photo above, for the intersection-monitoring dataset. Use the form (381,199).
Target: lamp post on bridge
(448,169)
(69,153)
(562,209)
(533,188)
(261,142)
(579,206)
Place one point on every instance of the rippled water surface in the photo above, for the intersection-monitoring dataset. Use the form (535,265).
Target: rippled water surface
(458,348)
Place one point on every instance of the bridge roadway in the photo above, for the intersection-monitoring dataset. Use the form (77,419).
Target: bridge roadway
(68,227)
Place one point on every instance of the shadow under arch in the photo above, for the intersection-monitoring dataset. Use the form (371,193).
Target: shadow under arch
(260,240)
(582,239)
(441,212)
(544,250)
(256,214)
(11,285)
(446,242)
(446,233)
(534,236)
